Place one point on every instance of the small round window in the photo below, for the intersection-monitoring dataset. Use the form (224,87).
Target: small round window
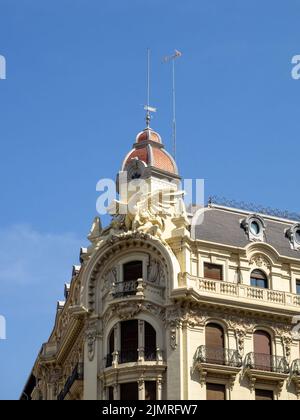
(255,228)
(297,235)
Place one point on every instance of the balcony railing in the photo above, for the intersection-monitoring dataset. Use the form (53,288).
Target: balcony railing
(234,292)
(76,375)
(218,356)
(130,356)
(124,288)
(296,367)
(267,363)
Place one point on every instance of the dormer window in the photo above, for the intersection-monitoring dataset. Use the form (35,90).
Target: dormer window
(254,227)
(293,234)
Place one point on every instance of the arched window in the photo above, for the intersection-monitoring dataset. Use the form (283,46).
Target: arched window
(262,350)
(214,336)
(111,348)
(214,344)
(259,279)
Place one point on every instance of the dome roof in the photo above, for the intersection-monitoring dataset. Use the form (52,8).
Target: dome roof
(148,135)
(149,149)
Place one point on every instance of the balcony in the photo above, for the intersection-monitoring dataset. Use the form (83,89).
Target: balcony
(117,358)
(218,356)
(214,362)
(295,371)
(74,383)
(123,289)
(267,363)
(267,369)
(240,295)
(136,289)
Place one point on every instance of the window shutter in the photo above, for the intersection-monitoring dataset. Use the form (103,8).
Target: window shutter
(214,336)
(262,343)
(264,395)
(215,392)
(213,271)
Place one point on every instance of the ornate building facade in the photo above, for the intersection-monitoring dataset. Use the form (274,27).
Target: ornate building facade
(169,304)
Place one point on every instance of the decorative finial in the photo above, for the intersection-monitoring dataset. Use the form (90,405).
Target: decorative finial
(147,107)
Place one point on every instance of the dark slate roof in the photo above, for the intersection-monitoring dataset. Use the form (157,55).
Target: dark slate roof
(223,225)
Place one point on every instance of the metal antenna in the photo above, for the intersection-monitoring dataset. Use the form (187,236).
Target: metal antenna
(167,59)
(147,107)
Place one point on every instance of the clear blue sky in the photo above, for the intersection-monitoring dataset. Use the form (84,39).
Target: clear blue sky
(72,105)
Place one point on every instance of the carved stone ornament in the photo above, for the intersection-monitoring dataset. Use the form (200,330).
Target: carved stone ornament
(260,261)
(174,335)
(110,277)
(147,212)
(128,310)
(156,273)
(287,342)
(240,335)
(91,335)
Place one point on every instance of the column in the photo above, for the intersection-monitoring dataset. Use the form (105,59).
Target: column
(141,387)
(116,392)
(159,389)
(141,341)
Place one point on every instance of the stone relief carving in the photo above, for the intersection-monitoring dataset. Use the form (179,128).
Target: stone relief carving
(261,262)
(147,212)
(96,231)
(91,336)
(110,277)
(287,341)
(156,273)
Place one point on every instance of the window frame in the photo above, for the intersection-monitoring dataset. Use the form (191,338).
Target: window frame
(264,277)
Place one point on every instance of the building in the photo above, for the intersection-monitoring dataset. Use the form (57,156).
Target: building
(173,305)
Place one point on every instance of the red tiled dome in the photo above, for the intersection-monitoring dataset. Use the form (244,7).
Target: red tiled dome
(150,150)
(148,135)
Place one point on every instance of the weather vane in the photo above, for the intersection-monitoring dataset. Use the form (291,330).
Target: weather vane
(167,59)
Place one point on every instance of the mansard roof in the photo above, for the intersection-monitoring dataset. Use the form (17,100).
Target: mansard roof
(222,225)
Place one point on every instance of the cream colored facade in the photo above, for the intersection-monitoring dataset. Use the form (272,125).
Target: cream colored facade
(175,297)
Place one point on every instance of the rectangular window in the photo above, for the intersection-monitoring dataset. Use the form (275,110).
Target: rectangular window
(213,271)
(215,392)
(110,393)
(129,341)
(298,287)
(150,391)
(129,392)
(264,395)
(133,271)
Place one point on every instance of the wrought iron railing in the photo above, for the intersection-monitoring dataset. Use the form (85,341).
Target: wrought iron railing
(125,288)
(254,208)
(218,356)
(76,375)
(295,369)
(267,363)
(127,356)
